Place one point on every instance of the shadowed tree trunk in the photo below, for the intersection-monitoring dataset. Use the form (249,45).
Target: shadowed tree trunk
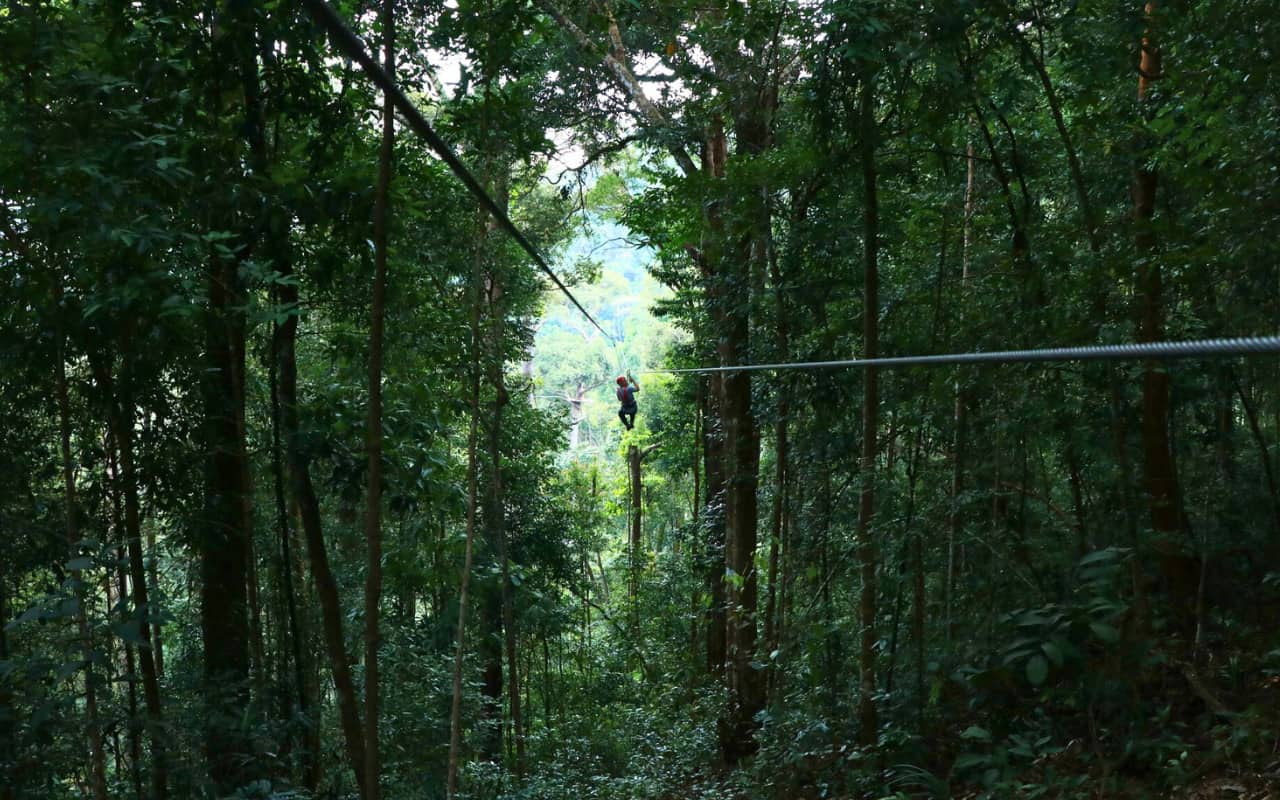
(495,511)
(93,726)
(308,504)
(960,415)
(120,414)
(122,584)
(635,523)
(772,621)
(293,629)
(713,524)
(867,556)
(8,737)
(473,435)
(1179,572)
(224,571)
(373,436)
(635,458)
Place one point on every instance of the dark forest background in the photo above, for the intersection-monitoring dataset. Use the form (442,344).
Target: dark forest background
(285,516)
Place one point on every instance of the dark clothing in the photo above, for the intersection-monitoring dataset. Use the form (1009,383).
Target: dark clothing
(627,397)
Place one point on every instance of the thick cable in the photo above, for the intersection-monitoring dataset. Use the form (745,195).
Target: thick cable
(1202,348)
(349,43)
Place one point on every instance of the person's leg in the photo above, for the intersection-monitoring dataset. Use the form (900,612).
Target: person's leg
(631,420)
(622,415)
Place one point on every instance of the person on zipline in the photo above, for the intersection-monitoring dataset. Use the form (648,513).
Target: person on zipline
(627,396)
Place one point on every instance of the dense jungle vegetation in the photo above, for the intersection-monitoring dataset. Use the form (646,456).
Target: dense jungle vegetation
(311,486)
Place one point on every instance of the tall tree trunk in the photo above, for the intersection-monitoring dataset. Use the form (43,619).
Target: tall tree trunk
(738,243)
(697,550)
(120,415)
(153,573)
(1177,570)
(780,447)
(867,557)
(455,714)
(122,582)
(223,539)
(513,671)
(373,435)
(8,727)
(1251,414)
(223,545)
(960,414)
(636,509)
(492,606)
(97,759)
(257,642)
(713,523)
(308,505)
(495,513)
(293,632)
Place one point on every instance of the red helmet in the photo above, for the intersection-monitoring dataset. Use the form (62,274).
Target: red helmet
(622,380)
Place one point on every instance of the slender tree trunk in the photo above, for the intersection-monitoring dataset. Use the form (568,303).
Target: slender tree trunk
(97,759)
(833,652)
(793,500)
(713,521)
(636,538)
(495,514)
(493,605)
(1251,414)
(780,446)
(310,754)
(513,671)
(697,554)
(153,573)
(771,616)
(1021,243)
(257,643)
(960,415)
(308,504)
(1178,570)
(8,737)
(455,716)
(867,557)
(122,582)
(373,436)
(1077,500)
(1068,146)
(120,421)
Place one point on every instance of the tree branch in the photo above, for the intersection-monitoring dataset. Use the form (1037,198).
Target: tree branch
(654,115)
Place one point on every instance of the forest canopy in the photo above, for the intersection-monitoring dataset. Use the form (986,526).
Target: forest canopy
(313,484)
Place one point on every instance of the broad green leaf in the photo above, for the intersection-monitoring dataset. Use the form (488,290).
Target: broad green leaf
(1053,652)
(1105,632)
(1037,670)
(976,733)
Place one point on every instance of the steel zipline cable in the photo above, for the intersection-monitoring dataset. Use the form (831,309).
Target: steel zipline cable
(1202,348)
(349,43)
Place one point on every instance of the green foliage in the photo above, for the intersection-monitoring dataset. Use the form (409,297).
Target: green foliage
(1031,634)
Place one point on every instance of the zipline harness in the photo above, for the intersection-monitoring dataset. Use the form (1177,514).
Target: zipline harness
(350,44)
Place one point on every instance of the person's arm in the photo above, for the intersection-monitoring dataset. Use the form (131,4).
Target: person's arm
(634,385)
